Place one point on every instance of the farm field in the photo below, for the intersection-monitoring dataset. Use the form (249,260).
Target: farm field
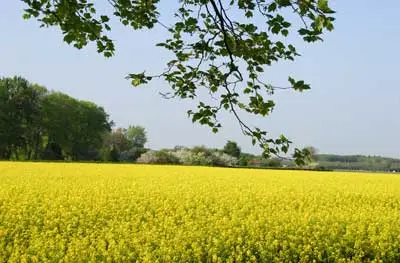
(141,213)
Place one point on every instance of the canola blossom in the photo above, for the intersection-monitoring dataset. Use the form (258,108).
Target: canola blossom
(142,213)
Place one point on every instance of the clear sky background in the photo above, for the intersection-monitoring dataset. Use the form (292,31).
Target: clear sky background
(353,106)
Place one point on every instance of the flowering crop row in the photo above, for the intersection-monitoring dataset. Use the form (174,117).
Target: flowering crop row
(142,213)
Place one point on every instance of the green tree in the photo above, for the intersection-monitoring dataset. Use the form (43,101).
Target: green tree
(34,140)
(114,143)
(272,162)
(232,149)
(136,136)
(126,144)
(114,155)
(245,158)
(35,123)
(92,121)
(53,151)
(117,139)
(78,127)
(19,118)
(313,153)
(220,46)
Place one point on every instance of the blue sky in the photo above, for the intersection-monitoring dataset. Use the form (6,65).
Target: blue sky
(352,107)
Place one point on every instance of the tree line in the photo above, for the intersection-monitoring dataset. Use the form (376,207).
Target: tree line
(38,124)
(357,162)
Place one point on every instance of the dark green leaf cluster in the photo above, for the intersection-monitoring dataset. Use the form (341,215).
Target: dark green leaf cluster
(38,124)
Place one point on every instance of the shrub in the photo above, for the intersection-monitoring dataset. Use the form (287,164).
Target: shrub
(158,157)
(223,159)
(202,156)
(147,157)
(132,154)
(165,157)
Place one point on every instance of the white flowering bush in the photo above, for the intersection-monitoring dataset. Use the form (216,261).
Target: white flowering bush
(158,157)
(203,156)
(147,157)
(195,156)
(226,159)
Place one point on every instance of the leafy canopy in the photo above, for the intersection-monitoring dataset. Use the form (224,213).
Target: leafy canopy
(218,45)
(231,148)
(136,136)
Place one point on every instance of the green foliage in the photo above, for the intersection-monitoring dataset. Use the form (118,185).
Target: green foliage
(20,109)
(158,157)
(136,136)
(20,112)
(117,139)
(357,162)
(114,155)
(232,149)
(273,162)
(53,151)
(77,126)
(262,162)
(164,157)
(245,158)
(132,154)
(218,46)
(198,155)
(35,124)
(129,143)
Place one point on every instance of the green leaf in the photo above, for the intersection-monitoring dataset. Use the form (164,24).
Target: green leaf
(324,7)
(272,7)
(249,14)
(135,82)
(104,19)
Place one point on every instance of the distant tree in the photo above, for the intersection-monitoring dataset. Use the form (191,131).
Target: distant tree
(77,126)
(117,139)
(36,133)
(245,158)
(273,162)
(200,155)
(312,153)
(232,149)
(165,157)
(128,143)
(20,111)
(35,123)
(114,155)
(136,136)
(93,121)
(132,154)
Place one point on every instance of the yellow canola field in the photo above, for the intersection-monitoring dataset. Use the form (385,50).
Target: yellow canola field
(139,213)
